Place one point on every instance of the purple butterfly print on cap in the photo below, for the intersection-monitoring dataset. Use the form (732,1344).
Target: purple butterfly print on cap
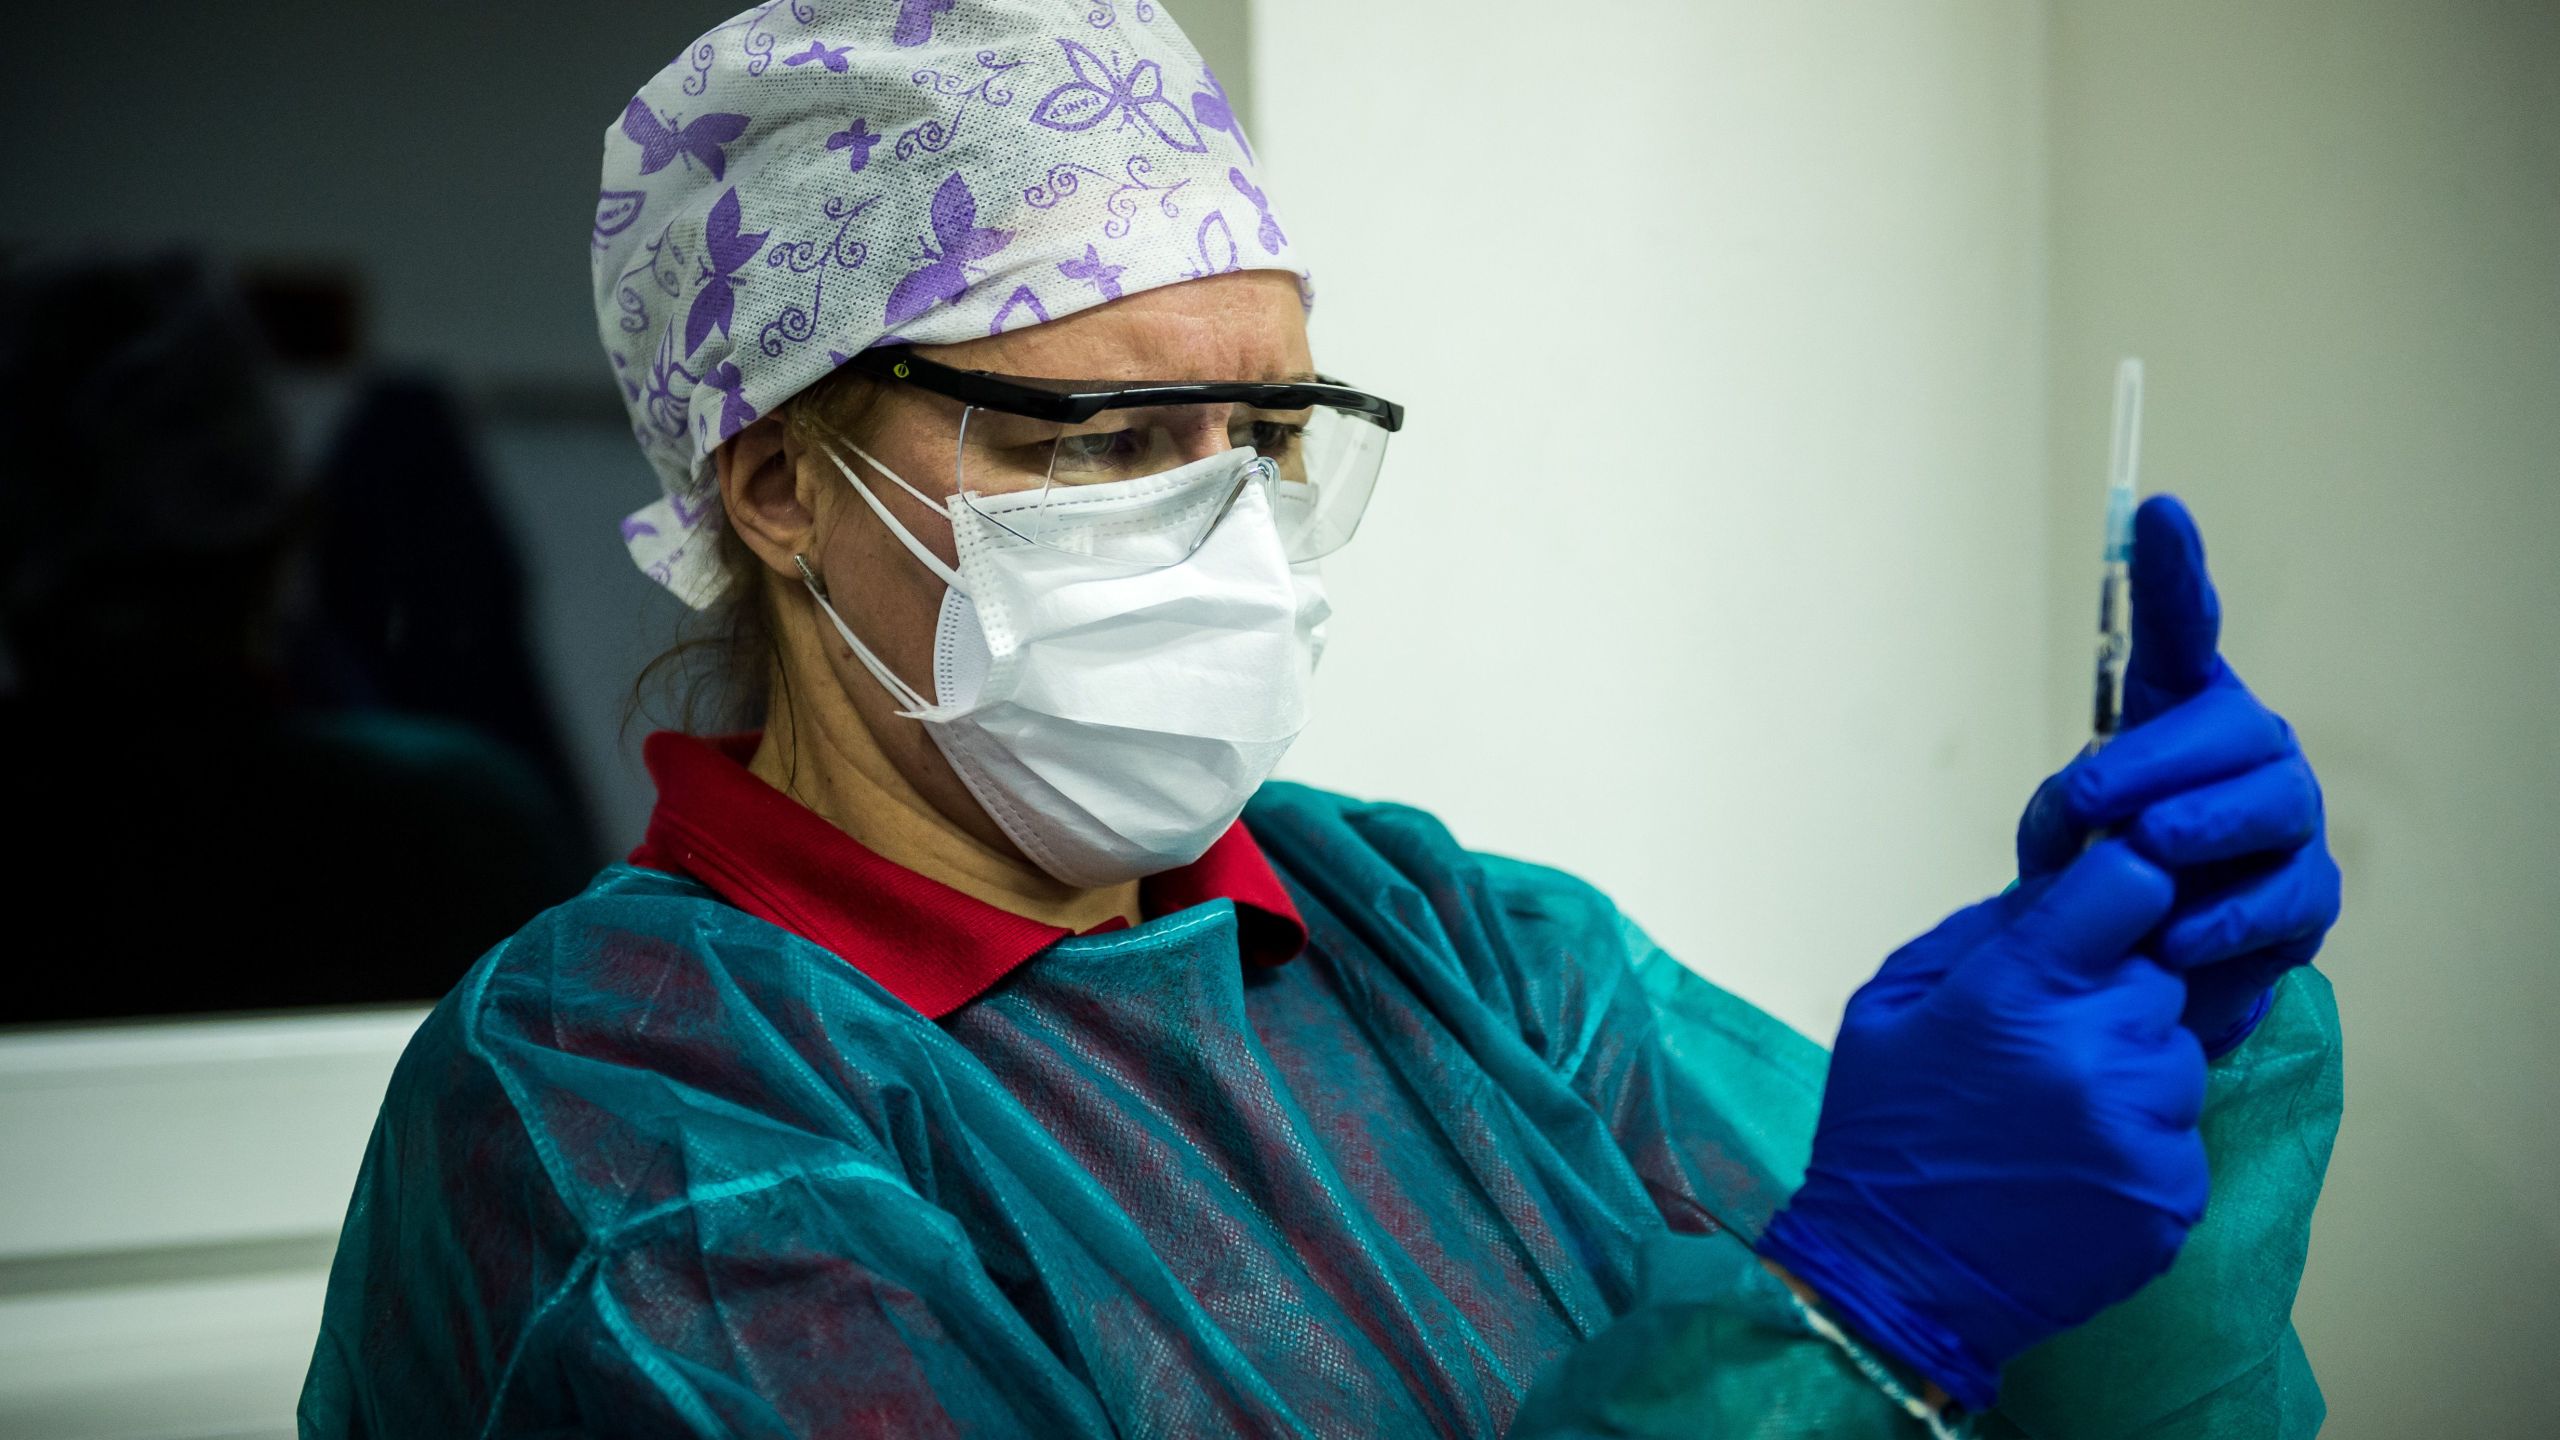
(1105,278)
(831,56)
(689,508)
(1221,260)
(662,142)
(724,250)
(993,204)
(1211,108)
(1022,298)
(856,137)
(915,20)
(1099,92)
(945,275)
(1271,237)
(735,413)
(615,210)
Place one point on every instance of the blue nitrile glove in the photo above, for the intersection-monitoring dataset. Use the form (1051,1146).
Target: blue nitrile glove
(2008,1137)
(2207,782)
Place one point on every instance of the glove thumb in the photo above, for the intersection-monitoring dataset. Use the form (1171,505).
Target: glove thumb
(2177,613)
(2083,925)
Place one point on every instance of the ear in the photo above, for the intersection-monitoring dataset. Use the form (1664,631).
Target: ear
(760,488)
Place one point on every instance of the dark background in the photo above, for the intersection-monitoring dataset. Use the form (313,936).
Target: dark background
(402,196)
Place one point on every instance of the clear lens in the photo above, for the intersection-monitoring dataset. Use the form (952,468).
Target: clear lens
(1324,463)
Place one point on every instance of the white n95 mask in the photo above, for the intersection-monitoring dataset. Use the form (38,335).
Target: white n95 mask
(1113,717)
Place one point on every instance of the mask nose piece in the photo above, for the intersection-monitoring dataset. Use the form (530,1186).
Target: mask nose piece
(1258,470)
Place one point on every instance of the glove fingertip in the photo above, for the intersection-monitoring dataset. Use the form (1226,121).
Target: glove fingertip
(2094,911)
(2177,613)
(2169,549)
(2048,835)
(2160,838)
(2084,793)
(2137,884)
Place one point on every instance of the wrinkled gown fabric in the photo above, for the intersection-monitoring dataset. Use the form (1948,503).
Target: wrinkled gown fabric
(1483,1159)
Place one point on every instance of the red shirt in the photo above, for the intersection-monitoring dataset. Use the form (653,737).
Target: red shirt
(922,941)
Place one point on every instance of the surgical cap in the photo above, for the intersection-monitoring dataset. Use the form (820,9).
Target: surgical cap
(815,177)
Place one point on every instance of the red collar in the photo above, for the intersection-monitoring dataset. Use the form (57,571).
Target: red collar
(926,943)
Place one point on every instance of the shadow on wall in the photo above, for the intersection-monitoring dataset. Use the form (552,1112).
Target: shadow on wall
(234,805)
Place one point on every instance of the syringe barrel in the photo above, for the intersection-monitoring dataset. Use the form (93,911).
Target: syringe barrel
(2115,647)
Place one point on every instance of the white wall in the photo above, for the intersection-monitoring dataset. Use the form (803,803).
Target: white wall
(1727,561)
(1711,564)
(2332,227)
(169,1203)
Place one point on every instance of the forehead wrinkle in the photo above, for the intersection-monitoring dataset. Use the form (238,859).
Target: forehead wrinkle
(1199,348)
(1161,345)
(1227,329)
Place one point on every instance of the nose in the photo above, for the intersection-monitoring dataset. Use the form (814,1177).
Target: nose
(1201,433)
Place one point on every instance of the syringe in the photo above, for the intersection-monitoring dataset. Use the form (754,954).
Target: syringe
(2115,597)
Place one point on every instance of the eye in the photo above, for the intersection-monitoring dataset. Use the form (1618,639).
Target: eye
(1275,437)
(1105,445)
(1090,453)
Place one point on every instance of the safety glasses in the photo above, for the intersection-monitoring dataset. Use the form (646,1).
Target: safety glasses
(1324,442)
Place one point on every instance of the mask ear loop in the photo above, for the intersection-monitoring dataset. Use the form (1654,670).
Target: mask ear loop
(915,700)
(906,537)
(899,690)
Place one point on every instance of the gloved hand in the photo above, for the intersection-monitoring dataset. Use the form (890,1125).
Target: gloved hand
(2008,1138)
(2207,783)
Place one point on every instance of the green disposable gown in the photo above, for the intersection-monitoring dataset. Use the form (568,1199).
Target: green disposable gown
(1483,1160)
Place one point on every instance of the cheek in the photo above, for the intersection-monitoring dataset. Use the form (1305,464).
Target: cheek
(928,462)
(888,599)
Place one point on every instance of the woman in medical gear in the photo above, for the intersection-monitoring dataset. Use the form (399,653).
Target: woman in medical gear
(952,1059)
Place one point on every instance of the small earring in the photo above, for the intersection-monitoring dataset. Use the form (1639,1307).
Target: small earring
(809,577)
